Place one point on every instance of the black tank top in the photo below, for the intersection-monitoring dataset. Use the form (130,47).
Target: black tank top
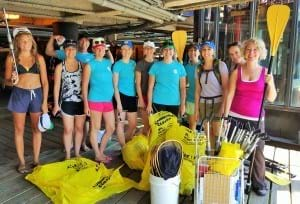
(34,69)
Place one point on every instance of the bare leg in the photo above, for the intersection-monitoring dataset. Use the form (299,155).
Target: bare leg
(109,119)
(192,122)
(19,126)
(36,137)
(79,126)
(120,129)
(94,128)
(145,120)
(131,116)
(68,134)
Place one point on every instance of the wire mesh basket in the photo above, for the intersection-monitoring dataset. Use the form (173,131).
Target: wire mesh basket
(219,181)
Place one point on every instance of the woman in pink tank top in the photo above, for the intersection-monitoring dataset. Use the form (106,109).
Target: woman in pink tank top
(245,94)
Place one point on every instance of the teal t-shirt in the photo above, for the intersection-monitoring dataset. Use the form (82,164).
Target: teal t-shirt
(83,57)
(167,82)
(190,71)
(101,81)
(126,73)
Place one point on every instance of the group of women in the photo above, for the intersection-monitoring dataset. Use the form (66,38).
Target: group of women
(95,86)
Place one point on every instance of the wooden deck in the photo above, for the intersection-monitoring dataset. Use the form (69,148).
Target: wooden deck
(15,189)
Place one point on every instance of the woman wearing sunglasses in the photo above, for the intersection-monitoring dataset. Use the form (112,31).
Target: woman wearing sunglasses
(97,88)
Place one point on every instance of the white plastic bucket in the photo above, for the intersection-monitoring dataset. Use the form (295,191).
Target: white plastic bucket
(164,191)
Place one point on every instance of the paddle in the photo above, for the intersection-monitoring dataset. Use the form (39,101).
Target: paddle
(179,38)
(277,18)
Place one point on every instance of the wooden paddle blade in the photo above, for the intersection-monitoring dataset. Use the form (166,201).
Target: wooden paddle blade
(277,18)
(179,38)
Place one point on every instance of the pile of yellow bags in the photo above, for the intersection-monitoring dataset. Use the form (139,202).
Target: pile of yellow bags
(78,181)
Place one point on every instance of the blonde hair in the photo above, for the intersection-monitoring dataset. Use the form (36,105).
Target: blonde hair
(263,52)
(17,47)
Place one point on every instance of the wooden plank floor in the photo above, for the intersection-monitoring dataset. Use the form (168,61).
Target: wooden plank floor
(15,189)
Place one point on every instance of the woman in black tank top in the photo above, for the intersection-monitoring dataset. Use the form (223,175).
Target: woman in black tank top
(29,94)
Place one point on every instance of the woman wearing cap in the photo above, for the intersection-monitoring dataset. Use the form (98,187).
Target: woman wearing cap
(97,75)
(167,83)
(141,76)
(210,89)
(125,95)
(245,95)
(234,51)
(29,93)
(190,68)
(67,78)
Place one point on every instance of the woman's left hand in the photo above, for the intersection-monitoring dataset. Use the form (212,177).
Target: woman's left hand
(269,79)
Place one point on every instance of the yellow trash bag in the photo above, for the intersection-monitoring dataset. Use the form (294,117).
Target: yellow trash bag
(160,123)
(230,150)
(229,159)
(135,152)
(187,138)
(78,181)
(187,175)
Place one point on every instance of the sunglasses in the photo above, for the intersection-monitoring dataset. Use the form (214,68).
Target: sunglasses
(99,42)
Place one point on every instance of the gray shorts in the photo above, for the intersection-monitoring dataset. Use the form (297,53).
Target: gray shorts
(25,100)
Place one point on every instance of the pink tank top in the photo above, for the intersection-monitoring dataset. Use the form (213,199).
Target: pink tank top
(248,95)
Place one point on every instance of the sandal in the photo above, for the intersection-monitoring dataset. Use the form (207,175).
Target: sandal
(104,161)
(34,164)
(22,169)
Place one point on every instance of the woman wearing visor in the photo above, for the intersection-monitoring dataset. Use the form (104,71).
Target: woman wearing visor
(29,93)
(67,78)
(167,84)
(211,89)
(97,75)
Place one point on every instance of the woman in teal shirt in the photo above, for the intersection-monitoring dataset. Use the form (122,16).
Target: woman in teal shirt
(190,68)
(97,75)
(166,90)
(125,95)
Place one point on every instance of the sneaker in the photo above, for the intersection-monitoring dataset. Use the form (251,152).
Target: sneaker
(260,191)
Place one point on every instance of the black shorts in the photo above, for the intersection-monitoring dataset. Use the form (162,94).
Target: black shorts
(159,107)
(129,103)
(72,108)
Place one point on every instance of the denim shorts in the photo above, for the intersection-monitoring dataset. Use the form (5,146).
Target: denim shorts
(25,100)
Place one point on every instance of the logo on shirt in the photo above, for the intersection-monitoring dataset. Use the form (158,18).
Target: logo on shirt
(175,71)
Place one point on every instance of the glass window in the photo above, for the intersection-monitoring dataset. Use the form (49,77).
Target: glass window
(234,26)
(281,60)
(295,101)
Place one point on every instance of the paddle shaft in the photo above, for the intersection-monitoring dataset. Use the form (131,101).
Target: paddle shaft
(264,93)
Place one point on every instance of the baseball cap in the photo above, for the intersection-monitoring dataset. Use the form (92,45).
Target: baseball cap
(19,30)
(70,43)
(193,45)
(97,42)
(209,44)
(149,44)
(45,123)
(168,44)
(128,43)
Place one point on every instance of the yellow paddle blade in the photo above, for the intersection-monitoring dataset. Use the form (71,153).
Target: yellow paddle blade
(277,179)
(179,38)
(277,18)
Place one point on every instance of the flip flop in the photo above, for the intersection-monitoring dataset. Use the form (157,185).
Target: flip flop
(33,165)
(22,169)
(104,161)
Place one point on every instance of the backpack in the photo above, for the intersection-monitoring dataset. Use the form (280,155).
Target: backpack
(215,69)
